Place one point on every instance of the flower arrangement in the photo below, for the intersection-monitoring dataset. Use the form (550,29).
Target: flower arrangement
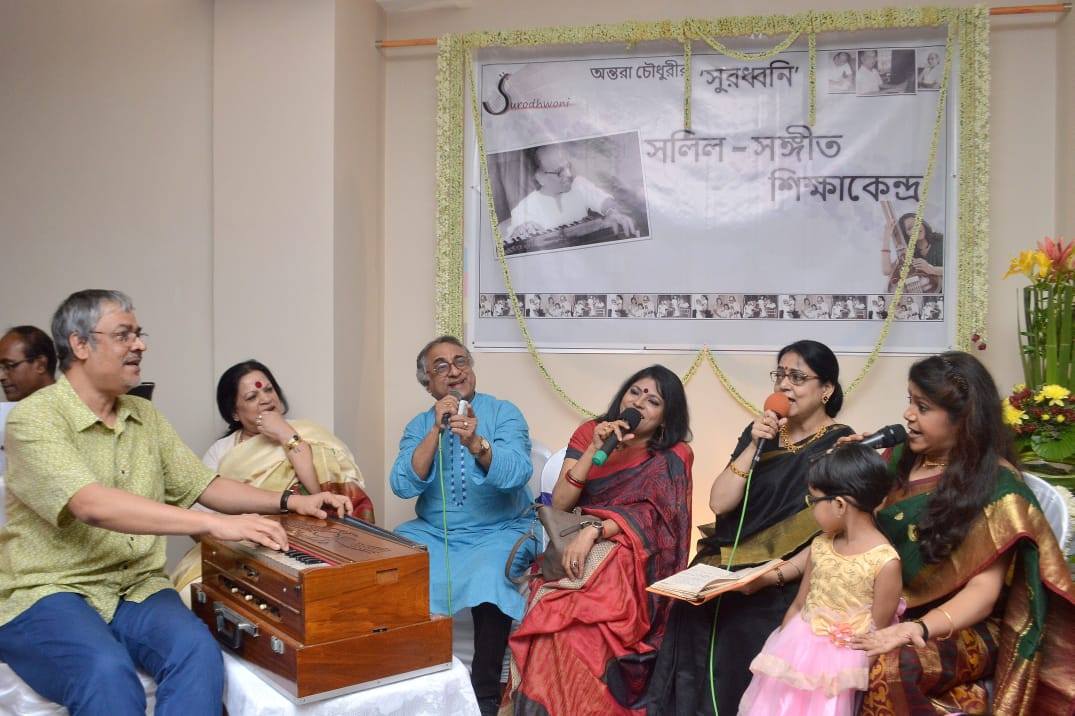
(1048,308)
(1041,412)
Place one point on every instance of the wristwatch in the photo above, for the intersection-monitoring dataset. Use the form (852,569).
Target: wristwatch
(599,524)
(483,447)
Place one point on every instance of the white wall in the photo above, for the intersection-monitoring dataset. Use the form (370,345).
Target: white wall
(105,177)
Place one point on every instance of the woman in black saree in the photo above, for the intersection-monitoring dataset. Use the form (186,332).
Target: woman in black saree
(705,657)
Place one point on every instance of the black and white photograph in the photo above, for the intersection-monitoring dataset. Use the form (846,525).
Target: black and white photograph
(616,307)
(568,195)
(502,305)
(727,305)
(677,305)
(641,305)
(814,306)
(909,308)
(930,68)
(789,308)
(885,71)
(932,308)
(879,307)
(598,306)
(535,305)
(846,306)
(838,71)
(485,305)
(703,304)
(759,306)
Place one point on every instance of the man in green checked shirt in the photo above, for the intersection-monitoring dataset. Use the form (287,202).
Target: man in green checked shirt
(95,478)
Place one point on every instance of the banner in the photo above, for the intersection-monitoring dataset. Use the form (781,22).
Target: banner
(622,230)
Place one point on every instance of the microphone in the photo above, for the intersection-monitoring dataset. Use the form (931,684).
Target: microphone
(886,437)
(462,407)
(630,416)
(778,403)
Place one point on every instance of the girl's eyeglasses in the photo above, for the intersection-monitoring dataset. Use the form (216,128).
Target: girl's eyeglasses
(811,500)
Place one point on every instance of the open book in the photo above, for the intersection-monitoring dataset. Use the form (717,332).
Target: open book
(702,582)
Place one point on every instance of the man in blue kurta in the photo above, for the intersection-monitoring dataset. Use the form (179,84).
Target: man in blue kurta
(469,470)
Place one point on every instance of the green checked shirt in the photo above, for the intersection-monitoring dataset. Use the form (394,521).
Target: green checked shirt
(56,446)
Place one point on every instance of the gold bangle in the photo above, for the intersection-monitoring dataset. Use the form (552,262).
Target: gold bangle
(951,624)
(737,471)
(293,443)
(779,578)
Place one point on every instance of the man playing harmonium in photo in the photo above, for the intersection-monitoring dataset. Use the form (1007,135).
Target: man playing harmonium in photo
(562,198)
(469,470)
(95,478)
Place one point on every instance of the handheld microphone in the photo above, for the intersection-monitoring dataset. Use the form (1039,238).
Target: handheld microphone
(462,407)
(886,437)
(778,403)
(630,416)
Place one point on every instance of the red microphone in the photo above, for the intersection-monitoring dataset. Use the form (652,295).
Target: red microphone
(779,404)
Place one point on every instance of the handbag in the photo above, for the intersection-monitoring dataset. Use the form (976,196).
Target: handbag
(561,528)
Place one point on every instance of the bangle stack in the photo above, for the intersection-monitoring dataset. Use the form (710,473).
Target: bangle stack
(573,482)
(779,578)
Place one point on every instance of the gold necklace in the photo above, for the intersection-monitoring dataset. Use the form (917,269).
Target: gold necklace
(785,441)
(928,463)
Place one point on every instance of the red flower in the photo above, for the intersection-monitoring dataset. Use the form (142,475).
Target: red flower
(1059,254)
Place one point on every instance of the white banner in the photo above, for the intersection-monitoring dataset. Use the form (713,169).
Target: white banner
(623,231)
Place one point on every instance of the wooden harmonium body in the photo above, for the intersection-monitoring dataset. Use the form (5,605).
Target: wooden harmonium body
(344,609)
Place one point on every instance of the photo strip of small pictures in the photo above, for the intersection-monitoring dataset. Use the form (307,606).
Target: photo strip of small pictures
(756,306)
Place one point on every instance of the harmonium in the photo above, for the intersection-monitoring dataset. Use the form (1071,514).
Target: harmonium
(590,230)
(344,609)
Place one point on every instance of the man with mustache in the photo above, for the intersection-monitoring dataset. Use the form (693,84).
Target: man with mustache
(95,478)
(27,362)
(469,470)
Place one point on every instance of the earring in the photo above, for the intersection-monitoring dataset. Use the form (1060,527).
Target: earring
(824,399)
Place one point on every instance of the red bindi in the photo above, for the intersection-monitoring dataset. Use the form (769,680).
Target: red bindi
(257,383)
(645,390)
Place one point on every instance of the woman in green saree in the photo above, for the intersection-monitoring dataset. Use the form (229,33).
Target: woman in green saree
(989,595)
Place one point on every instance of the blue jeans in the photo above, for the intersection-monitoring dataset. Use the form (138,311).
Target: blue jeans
(64,650)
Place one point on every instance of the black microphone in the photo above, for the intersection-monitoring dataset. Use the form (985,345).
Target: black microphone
(886,437)
(462,403)
(630,416)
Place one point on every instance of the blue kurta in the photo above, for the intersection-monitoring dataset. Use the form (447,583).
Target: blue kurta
(486,511)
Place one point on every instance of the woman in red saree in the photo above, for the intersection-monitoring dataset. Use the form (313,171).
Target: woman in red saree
(588,642)
(989,596)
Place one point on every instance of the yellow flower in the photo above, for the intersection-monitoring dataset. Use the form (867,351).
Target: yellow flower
(1012,415)
(1059,418)
(1055,394)
(1045,417)
(1043,263)
(1023,263)
(1019,387)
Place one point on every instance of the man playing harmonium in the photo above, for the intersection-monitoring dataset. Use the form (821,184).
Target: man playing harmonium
(469,470)
(562,198)
(95,478)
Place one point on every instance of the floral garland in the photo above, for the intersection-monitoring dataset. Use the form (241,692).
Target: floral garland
(970,25)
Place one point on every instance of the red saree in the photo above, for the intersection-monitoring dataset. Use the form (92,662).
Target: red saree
(588,646)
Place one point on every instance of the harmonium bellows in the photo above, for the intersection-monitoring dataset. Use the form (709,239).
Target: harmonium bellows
(346,608)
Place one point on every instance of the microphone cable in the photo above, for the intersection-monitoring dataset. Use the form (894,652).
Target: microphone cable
(716,608)
(444,517)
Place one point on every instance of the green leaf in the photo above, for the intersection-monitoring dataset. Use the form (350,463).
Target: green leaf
(1059,449)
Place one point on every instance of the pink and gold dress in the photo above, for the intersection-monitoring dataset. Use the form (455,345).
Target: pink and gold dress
(808,666)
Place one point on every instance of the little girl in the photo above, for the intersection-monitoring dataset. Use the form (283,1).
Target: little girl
(851,584)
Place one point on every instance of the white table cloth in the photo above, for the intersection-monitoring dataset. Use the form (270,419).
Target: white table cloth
(444,693)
